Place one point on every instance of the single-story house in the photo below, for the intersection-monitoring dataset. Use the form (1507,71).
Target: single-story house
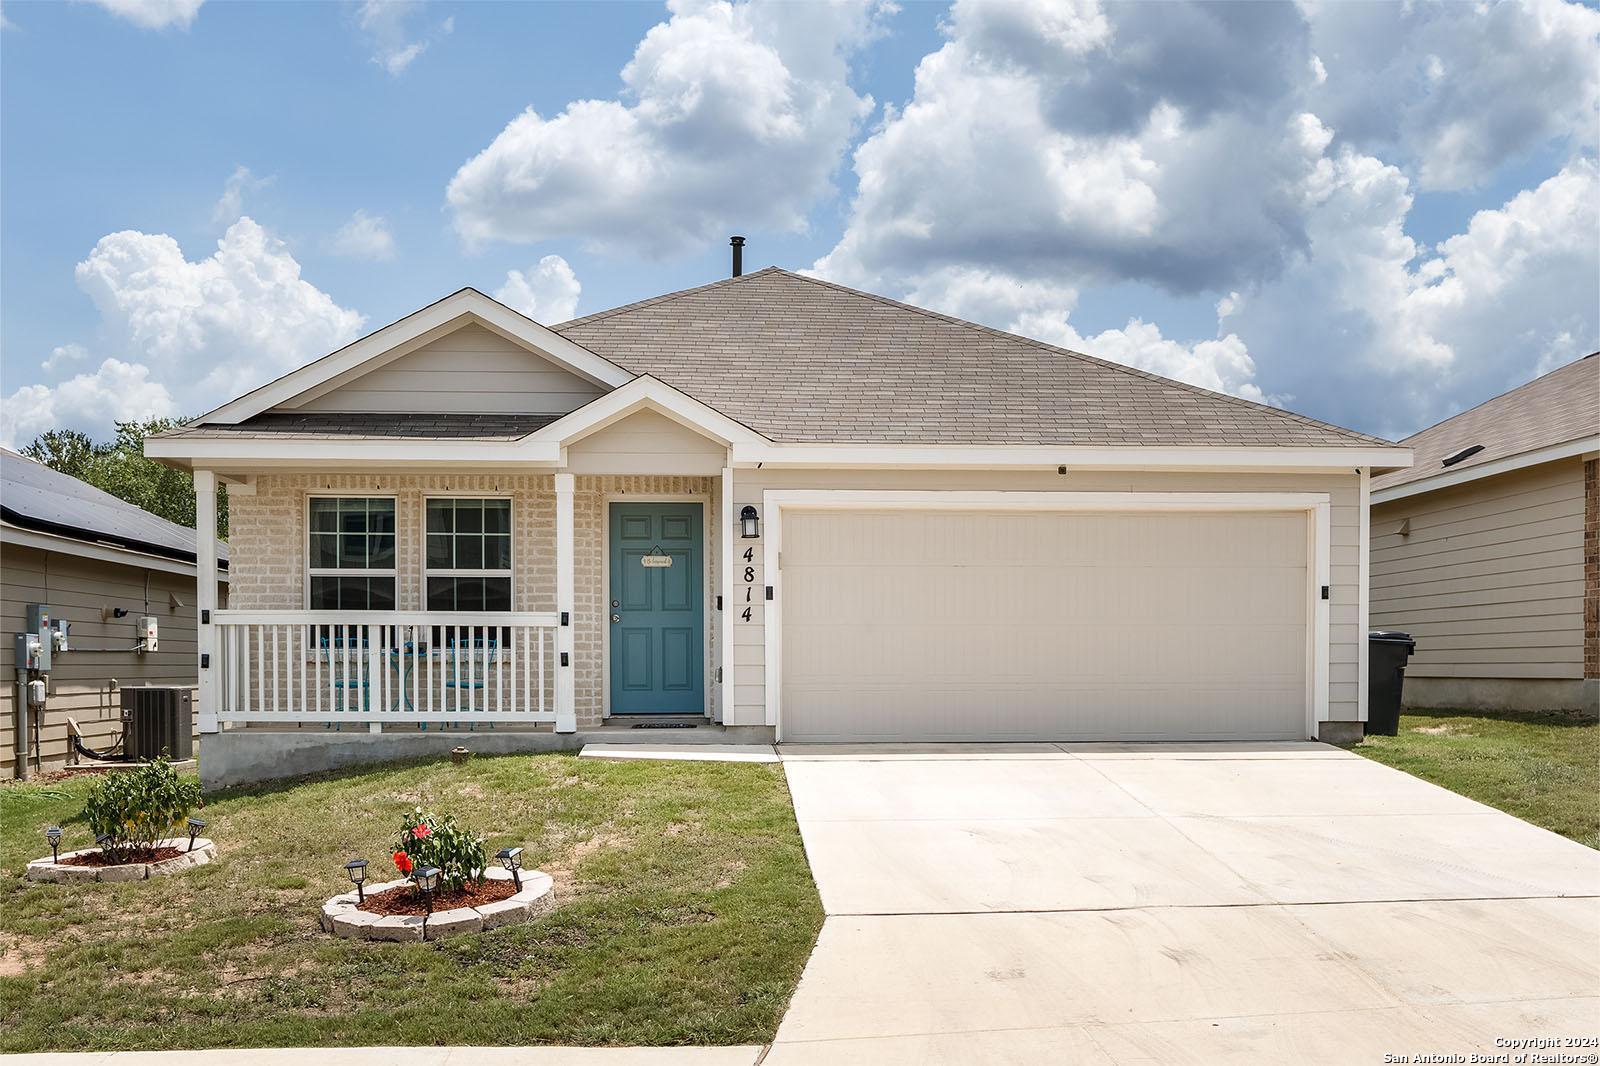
(100,564)
(777,504)
(1487,550)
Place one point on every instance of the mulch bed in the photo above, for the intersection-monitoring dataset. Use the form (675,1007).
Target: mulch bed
(99,858)
(407,900)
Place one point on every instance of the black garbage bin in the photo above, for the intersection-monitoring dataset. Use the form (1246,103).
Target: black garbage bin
(1387,652)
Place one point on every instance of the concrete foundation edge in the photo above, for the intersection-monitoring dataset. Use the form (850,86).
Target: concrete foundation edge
(1502,693)
(1340,732)
(236,757)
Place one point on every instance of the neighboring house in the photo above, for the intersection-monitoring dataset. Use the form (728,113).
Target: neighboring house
(778,503)
(101,564)
(1488,550)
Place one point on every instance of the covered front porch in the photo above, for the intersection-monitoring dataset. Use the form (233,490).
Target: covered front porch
(525,601)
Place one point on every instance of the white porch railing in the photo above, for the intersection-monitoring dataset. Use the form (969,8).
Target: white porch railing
(377,667)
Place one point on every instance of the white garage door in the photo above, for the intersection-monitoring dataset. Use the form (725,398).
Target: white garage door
(966,625)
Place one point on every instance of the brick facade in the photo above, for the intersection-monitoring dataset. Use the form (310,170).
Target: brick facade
(267,548)
(1591,568)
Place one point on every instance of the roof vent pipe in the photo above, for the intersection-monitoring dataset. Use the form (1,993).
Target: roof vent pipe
(738,255)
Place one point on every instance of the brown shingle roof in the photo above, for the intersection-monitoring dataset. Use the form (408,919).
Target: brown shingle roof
(1561,406)
(800,359)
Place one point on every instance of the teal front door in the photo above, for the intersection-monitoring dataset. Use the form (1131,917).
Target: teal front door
(657,609)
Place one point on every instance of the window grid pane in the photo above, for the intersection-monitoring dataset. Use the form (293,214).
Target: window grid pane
(472,535)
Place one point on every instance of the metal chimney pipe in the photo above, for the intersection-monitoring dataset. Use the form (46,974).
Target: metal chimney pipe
(738,255)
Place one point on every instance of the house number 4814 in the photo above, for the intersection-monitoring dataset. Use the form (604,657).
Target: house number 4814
(749,582)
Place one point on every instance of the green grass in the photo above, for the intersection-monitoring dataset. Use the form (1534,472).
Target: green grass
(1543,768)
(685,914)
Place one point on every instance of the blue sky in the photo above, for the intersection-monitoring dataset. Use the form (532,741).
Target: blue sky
(195,197)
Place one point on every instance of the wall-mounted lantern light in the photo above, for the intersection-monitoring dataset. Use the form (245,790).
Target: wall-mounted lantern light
(749,523)
(511,859)
(53,835)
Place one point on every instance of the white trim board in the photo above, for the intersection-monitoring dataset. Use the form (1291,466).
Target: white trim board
(1460,476)
(1317,506)
(1195,457)
(547,448)
(640,394)
(395,339)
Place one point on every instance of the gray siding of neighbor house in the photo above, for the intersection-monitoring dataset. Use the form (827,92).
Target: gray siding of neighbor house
(1490,581)
(85,683)
(472,369)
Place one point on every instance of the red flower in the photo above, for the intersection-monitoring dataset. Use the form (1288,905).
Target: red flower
(420,830)
(402,862)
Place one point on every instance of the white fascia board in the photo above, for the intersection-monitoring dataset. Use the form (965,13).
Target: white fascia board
(646,393)
(105,553)
(258,453)
(374,346)
(1581,447)
(1047,457)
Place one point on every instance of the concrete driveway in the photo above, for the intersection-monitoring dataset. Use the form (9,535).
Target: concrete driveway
(1282,902)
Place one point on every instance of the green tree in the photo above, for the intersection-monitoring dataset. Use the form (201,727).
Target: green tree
(120,468)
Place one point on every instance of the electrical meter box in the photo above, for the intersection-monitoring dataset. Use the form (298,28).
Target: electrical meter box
(147,633)
(32,652)
(60,635)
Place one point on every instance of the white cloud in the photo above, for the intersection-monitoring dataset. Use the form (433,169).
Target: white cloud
(1144,141)
(154,14)
(1048,147)
(547,293)
(188,334)
(1390,336)
(63,356)
(231,204)
(364,237)
(389,26)
(732,115)
(91,402)
(1454,91)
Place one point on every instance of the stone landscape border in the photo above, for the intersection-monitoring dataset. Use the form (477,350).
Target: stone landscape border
(342,918)
(56,872)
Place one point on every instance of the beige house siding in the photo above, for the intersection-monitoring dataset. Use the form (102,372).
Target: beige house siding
(85,683)
(748,683)
(472,369)
(1488,576)
(268,544)
(646,443)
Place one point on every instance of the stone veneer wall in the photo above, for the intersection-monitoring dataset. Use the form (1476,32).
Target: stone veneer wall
(267,548)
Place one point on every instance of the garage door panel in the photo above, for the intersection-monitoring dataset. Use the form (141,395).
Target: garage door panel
(905,625)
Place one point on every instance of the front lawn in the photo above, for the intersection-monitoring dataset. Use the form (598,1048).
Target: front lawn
(685,914)
(1543,768)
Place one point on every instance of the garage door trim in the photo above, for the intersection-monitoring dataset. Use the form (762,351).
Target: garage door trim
(1316,505)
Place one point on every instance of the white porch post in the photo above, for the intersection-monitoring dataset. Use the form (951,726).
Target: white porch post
(566,702)
(205,579)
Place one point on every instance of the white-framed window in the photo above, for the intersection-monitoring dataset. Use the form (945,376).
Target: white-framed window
(467,554)
(350,553)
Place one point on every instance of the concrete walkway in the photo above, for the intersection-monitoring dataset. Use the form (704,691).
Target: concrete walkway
(1172,904)
(682,752)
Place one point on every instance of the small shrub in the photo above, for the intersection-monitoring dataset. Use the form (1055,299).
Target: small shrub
(135,808)
(428,840)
